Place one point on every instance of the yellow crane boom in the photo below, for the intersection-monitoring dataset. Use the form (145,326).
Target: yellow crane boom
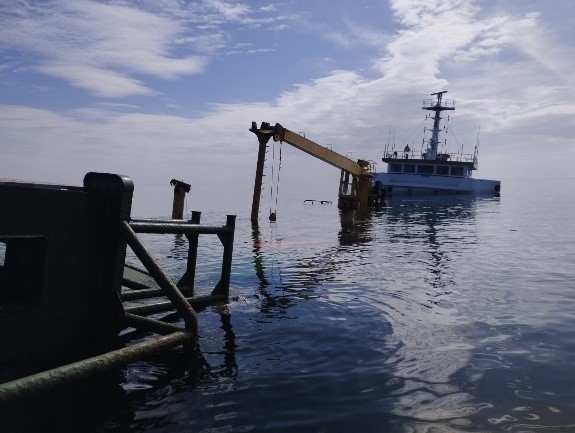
(319,151)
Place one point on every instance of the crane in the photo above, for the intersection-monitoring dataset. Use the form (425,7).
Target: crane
(355,179)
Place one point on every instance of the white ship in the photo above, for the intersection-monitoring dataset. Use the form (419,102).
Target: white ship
(432,171)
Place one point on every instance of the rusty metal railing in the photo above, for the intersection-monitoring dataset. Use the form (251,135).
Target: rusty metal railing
(169,289)
(171,335)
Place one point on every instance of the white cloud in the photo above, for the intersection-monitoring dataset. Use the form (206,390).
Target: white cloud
(268,8)
(435,31)
(100,82)
(79,40)
(231,12)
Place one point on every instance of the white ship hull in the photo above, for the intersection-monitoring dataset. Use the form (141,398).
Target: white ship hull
(417,184)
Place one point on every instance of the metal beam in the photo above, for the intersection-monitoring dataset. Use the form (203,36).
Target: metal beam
(82,369)
(321,152)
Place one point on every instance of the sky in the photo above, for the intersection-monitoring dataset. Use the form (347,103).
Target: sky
(167,89)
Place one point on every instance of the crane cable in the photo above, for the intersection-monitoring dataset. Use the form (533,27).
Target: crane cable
(272,178)
(273,214)
(278,179)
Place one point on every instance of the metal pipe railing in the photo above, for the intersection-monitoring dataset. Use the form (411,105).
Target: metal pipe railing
(176,227)
(197,302)
(147,324)
(134,285)
(171,291)
(141,294)
(192,230)
(82,369)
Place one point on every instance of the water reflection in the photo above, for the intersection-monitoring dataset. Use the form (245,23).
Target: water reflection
(318,366)
(270,304)
(425,239)
(358,229)
(286,278)
(436,230)
(228,366)
(179,249)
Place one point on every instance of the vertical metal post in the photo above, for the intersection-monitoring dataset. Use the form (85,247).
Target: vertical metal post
(363,186)
(227,239)
(180,190)
(187,281)
(344,184)
(259,178)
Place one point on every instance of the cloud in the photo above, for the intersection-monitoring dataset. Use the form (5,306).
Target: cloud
(434,31)
(268,8)
(100,82)
(82,40)
(230,12)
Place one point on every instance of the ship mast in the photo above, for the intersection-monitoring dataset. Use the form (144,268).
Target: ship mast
(438,106)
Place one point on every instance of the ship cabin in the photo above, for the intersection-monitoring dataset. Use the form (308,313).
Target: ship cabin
(444,165)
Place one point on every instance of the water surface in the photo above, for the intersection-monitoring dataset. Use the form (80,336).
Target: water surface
(432,315)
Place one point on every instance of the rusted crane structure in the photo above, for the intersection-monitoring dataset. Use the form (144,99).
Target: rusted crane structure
(355,179)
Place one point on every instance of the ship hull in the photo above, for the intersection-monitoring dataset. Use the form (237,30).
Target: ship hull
(417,184)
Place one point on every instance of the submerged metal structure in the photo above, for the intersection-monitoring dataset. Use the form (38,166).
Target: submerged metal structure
(355,179)
(62,261)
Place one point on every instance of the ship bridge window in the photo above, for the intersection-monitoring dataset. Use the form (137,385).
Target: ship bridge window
(395,168)
(457,171)
(425,169)
(22,260)
(442,170)
(408,168)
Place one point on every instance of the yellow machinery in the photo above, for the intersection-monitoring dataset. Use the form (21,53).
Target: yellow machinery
(355,179)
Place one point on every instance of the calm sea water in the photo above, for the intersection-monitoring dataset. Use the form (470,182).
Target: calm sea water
(433,315)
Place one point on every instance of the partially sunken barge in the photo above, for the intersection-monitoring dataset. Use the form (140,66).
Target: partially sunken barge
(64,285)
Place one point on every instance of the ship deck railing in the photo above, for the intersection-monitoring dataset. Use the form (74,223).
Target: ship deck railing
(421,156)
